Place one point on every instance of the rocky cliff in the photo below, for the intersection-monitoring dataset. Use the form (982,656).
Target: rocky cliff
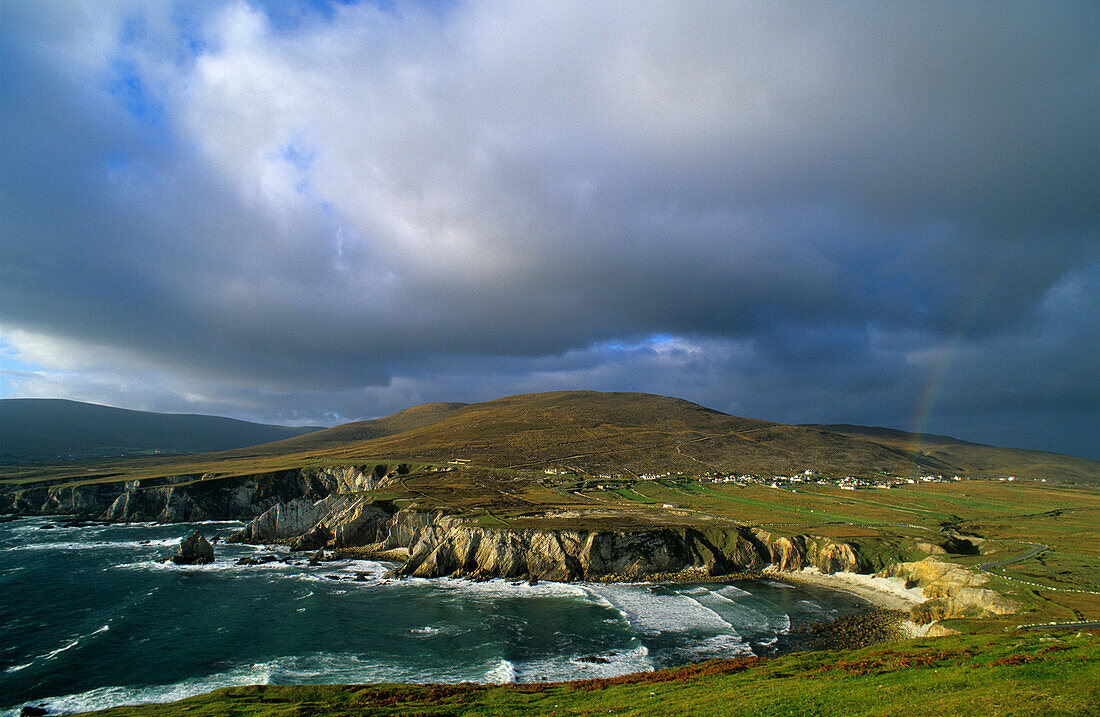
(326,508)
(184,498)
(952,591)
(434,544)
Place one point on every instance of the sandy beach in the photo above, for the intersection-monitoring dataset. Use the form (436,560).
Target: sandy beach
(888,593)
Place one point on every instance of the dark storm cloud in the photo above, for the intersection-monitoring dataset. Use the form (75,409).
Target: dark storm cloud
(800,212)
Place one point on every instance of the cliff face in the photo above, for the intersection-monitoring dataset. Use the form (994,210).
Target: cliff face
(315,508)
(185,498)
(803,551)
(336,520)
(434,544)
(952,591)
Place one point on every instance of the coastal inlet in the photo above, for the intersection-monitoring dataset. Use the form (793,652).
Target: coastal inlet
(93,618)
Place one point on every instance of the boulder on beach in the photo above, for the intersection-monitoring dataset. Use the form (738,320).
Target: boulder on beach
(194,550)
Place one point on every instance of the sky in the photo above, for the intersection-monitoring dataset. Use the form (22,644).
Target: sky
(316,212)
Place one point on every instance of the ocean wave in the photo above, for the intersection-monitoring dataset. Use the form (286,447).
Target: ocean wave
(218,566)
(116,696)
(732,592)
(612,663)
(500,588)
(59,651)
(333,668)
(99,545)
(501,673)
(725,645)
(650,612)
(372,573)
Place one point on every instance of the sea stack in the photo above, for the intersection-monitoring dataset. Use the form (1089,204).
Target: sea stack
(194,550)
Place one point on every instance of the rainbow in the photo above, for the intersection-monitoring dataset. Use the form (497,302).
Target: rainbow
(933,387)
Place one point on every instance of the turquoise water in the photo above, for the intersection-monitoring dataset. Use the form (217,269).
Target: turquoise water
(91,619)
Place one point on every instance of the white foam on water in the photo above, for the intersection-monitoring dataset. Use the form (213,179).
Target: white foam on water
(373,573)
(218,566)
(426,631)
(653,613)
(59,651)
(294,669)
(720,646)
(501,673)
(498,588)
(372,568)
(115,696)
(748,615)
(574,667)
(740,616)
(36,525)
(98,545)
(731,592)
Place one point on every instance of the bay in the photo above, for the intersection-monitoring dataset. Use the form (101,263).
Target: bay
(91,619)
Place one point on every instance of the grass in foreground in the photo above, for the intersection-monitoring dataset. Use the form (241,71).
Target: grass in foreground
(1005,674)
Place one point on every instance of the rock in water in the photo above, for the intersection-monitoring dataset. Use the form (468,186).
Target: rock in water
(194,550)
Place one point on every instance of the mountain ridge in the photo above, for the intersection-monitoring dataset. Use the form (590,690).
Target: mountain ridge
(45,429)
(602,433)
(625,434)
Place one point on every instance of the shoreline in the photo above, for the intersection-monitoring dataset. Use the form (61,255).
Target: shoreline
(885,593)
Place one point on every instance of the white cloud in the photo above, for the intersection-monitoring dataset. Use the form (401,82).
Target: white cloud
(799,198)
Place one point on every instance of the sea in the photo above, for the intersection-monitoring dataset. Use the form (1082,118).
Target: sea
(90,618)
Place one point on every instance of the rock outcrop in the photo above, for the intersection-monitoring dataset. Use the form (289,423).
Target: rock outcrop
(194,550)
(315,509)
(185,498)
(952,591)
(805,551)
(335,520)
(435,544)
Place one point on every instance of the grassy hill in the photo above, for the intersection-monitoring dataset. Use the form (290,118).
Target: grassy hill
(41,429)
(587,432)
(406,420)
(629,434)
(969,456)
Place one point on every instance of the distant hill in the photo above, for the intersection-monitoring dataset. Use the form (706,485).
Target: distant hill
(588,432)
(636,433)
(347,433)
(975,456)
(43,429)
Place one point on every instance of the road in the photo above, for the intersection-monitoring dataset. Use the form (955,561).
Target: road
(1061,626)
